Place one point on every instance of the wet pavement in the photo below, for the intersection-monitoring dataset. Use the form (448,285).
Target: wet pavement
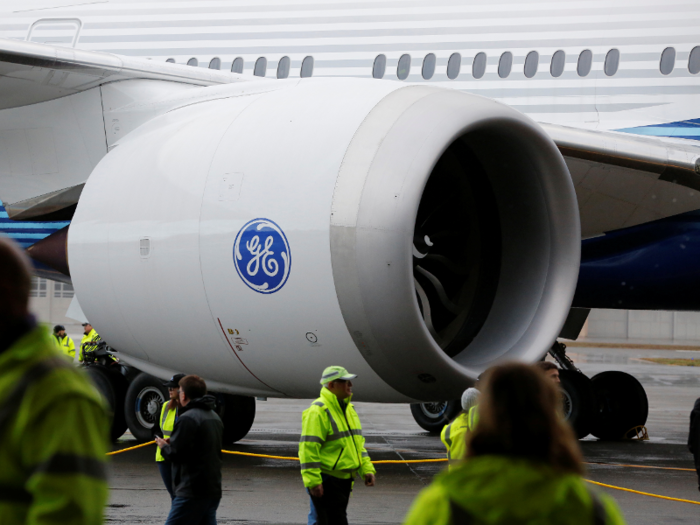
(270,491)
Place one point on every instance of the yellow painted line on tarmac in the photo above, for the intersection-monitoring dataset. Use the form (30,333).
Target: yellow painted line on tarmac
(643,493)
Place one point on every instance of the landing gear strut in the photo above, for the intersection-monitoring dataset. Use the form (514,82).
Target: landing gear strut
(608,405)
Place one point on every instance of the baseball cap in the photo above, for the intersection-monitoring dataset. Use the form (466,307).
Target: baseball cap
(58,328)
(174,381)
(85,324)
(336,372)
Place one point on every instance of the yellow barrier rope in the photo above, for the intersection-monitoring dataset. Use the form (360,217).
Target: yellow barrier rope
(640,466)
(643,493)
(394,461)
(130,448)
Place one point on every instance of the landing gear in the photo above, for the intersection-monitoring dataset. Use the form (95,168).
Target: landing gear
(433,416)
(112,385)
(144,399)
(237,413)
(608,406)
(622,405)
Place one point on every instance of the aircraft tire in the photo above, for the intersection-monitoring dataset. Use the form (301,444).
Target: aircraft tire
(434,416)
(622,405)
(237,414)
(579,401)
(113,389)
(144,399)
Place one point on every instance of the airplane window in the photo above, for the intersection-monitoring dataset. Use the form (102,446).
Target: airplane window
(237,66)
(215,63)
(479,65)
(453,65)
(694,61)
(612,62)
(505,64)
(668,61)
(428,66)
(556,68)
(260,68)
(404,67)
(171,60)
(283,67)
(532,60)
(307,67)
(379,66)
(193,62)
(585,61)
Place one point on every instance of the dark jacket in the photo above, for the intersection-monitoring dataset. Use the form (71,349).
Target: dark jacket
(694,434)
(195,450)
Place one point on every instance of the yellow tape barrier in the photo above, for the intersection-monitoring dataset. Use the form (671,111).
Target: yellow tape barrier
(395,461)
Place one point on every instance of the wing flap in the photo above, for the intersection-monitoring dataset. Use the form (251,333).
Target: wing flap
(31,73)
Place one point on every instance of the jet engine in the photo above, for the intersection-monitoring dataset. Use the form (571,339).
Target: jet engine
(413,234)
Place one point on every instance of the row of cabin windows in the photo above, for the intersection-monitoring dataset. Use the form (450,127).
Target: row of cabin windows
(584,63)
(667,64)
(260,68)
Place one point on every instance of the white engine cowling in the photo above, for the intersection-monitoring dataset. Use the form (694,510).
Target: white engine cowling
(414,235)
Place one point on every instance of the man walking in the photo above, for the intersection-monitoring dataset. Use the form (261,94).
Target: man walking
(332,448)
(48,475)
(194,449)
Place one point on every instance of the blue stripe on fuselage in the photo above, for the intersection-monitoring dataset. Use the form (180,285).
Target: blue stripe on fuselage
(684,129)
(27,233)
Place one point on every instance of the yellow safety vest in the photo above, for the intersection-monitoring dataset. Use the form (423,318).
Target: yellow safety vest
(332,441)
(48,476)
(454,437)
(87,338)
(167,424)
(66,345)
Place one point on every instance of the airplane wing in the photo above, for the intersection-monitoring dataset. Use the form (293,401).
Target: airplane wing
(31,73)
(624,180)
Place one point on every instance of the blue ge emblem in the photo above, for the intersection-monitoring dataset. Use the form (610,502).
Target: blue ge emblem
(262,256)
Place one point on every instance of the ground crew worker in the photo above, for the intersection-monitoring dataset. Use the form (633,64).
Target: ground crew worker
(332,448)
(523,463)
(164,428)
(90,336)
(63,341)
(47,476)
(550,370)
(454,435)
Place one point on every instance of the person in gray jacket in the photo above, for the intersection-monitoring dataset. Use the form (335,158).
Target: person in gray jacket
(194,448)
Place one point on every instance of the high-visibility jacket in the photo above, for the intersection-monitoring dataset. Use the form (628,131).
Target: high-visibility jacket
(54,434)
(167,424)
(454,437)
(65,344)
(502,490)
(332,441)
(473,418)
(88,338)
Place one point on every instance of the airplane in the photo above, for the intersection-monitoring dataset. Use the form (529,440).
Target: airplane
(414,190)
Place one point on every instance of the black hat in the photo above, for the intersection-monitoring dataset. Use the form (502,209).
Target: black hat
(58,328)
(174,381)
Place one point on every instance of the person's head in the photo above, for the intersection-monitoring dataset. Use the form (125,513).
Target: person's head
(550,370)
(191,387)
(15,282)
(174,389)
(470,397)
(59,330)
(338,381)
(87,328)
(518,417)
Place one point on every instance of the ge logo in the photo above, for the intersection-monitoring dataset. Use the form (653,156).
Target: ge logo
(262,256)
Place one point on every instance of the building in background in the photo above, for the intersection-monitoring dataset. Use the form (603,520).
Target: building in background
(49,301)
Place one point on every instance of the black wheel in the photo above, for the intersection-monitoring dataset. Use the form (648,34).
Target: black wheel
(237,413)
(579,401)
(433,416)
(144,398)
(113,389)
(622,404)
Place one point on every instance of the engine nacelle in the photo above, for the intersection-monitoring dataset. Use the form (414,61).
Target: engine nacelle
(412,234)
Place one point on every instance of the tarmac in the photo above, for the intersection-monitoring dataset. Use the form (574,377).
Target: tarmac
(266,491)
